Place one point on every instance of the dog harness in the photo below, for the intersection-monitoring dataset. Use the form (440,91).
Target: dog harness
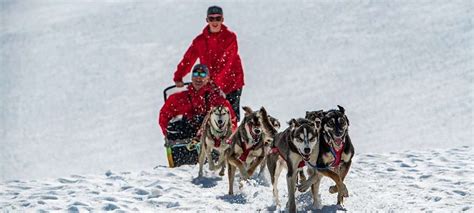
(276,150)
(217,141)
(337,155)
(245,154)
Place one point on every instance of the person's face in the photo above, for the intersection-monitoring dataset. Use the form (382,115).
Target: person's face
(199,79)
(215,21)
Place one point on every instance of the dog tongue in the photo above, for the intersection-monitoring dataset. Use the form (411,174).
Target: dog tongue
(338,141)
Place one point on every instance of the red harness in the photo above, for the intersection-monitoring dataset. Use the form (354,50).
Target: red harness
(217,141)
(276,150)
(243,156)
(337,155)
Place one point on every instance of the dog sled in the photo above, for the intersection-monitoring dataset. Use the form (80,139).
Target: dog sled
(181,147)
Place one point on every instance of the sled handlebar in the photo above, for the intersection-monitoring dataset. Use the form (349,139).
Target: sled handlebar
(165,94)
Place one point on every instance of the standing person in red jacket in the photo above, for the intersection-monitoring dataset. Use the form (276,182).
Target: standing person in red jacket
(183,112)
(217,48)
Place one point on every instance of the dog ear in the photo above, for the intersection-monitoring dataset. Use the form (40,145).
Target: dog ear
(341,109)
(247,110)
(293,123)
(263,111)
(267,124)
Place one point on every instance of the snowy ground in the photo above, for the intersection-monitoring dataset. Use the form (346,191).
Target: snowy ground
(434,180)
(81,86)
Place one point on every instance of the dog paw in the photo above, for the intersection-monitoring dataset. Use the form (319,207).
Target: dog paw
(241,184)
(333,189)
(343,190)
(317,206)
(304,186)
(317,202)
(221,173)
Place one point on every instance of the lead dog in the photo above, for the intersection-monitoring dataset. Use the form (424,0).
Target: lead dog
(215,130)
(247,144)
(335,152)
(295,145)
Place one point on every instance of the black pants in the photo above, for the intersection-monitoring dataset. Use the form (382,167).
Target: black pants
(234,99)
(184,128)
(179,130)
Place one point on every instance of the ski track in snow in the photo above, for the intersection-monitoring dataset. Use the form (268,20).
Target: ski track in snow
(436,180)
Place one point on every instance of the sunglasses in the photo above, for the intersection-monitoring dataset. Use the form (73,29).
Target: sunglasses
(200,74)
(214,18)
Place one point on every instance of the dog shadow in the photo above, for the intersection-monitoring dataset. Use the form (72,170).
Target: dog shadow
(233,199)
(306,200)
(206,182)
(308,208)
(260,179)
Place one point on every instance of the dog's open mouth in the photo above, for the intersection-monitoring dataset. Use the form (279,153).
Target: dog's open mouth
(305,156)
(338,141)
(220,126)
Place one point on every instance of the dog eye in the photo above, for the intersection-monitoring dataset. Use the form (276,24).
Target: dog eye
(342,122)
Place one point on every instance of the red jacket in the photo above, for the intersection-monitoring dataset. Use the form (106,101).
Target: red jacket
(219,52)
(190,103)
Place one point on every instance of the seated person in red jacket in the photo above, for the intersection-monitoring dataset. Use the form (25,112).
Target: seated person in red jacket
(183,112)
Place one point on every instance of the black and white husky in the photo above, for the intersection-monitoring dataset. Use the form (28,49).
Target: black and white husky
(293,147)
(215,130)
(247,144)
(335,152)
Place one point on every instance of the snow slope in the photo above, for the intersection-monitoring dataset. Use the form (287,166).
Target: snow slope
(81,83)
(434,180)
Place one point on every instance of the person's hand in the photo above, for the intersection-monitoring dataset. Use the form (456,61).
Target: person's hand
(179,83)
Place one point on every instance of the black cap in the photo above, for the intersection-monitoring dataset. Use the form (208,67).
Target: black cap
(214,10)
(200,68)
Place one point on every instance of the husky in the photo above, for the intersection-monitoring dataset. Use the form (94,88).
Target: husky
(295,145)
(276,125)
(215,130)
(247,144)
(335,152)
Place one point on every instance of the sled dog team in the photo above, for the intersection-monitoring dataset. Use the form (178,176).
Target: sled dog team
(318,143)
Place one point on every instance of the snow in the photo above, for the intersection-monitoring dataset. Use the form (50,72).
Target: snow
(436,180)
(81,86)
